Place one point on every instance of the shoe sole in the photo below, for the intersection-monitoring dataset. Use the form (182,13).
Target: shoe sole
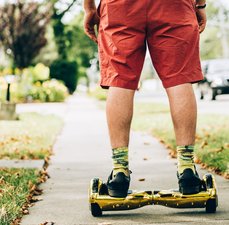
(189,190)
(117,193)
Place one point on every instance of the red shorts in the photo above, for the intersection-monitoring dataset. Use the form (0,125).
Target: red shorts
(168,27)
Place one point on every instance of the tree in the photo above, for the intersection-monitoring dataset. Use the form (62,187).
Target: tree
(81,48)
(23,27)
(63,68)
(71,41)
(59,28)
(214,41)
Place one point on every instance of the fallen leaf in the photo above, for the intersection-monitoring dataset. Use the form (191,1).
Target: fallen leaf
(226,175)
(141,179)
(146,143)
(162,141)
(47,223)
(219,149)
(203,144)
(35,199)
(173,154)
(25,211)
(197,161)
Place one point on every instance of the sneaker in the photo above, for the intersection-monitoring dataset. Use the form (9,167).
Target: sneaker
(189,182)
(118,185)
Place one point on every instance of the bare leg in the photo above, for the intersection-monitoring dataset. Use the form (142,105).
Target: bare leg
(184,113)
(119,111)
(119,115)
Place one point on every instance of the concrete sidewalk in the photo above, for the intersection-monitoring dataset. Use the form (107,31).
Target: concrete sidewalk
(83,152)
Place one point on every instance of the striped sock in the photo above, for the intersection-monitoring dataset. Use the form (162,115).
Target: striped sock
(120,160)
(185,156)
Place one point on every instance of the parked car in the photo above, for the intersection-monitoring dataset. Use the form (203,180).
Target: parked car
(216,81)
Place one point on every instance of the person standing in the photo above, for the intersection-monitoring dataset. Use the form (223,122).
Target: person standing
(170,29)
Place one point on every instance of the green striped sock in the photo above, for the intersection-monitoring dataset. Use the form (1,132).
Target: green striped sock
(120,160)
(185,156)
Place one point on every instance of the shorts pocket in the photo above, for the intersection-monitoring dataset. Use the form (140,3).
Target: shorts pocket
(102,56)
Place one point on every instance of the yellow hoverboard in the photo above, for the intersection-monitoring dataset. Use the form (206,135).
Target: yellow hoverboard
(100,201)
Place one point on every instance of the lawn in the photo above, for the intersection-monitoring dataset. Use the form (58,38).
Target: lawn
(30,137)
(212,142)
(17,186)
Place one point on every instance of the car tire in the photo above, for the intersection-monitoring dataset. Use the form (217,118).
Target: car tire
(201,95)
(214,94)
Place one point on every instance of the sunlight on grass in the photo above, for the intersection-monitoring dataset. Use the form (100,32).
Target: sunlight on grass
(212,142)
(31,137)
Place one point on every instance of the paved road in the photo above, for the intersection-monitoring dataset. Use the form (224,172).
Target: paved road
(82,152)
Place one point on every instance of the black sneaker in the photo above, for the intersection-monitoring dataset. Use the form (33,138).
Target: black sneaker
(189,182)
(118,185)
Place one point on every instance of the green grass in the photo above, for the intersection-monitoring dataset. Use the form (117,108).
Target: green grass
(15,188)
(31,137)
(212,142)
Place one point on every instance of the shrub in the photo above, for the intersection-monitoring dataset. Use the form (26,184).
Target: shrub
(65,71)
(49,91)
(33,84)
(38,73)
(24,91)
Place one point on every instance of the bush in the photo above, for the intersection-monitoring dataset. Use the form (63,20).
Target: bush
(38,73)
(49,91)
(33,84)
(65,71)
(24,90)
